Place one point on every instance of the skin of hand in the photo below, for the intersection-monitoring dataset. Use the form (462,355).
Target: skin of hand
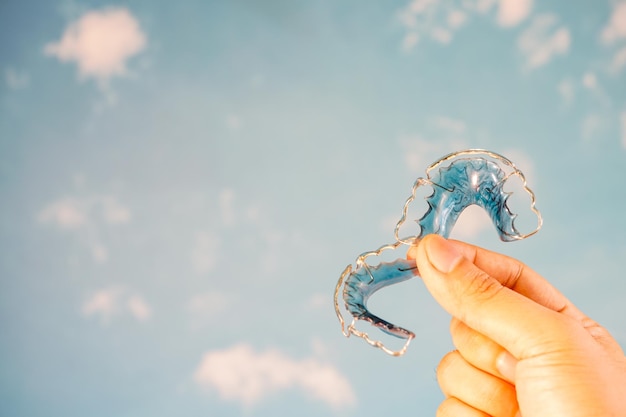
(521,347)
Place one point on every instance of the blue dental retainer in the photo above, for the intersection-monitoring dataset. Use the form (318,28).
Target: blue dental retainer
(458,180)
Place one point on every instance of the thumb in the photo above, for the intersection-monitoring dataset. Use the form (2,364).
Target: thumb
(520,325)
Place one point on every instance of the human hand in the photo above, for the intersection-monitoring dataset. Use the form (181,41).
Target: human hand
(522,347)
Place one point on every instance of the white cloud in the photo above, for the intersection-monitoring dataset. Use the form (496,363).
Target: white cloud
(440,20)
(567,90)
(320,301)
(234,122)
(104,303)
(66,213)
(227,209)
(523,162)
(319,348)
(85,216)
(110,302)
(513,12)
(410,40)
(441,35)
(99,252)
(274,243)
(100,42)
(481,6)
(622,120)
(616,27)
(542,40)
(414,9)
(428,18)
(456,18)
(114,212)
(16,80)
(206,308)
(73,212)
(619,61)
(204,254)
(613,35)
(450,125)
(138,307)
(590,81)
(592,126)
(418,153)
(252,213)
(240,374)
(446,135)
(389,221)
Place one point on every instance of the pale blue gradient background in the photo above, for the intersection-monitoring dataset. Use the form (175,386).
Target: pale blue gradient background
(251,150)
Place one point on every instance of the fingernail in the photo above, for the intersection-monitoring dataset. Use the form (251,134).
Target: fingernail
(506,365)
(442,254)
(412,252)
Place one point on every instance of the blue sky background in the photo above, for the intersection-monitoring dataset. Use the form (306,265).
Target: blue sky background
(182,183)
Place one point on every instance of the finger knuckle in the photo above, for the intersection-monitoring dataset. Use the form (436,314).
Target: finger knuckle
(448,408)
(515,275)
(446,364)
(456,325)
(480,286)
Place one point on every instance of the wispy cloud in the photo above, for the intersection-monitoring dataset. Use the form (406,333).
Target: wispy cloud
(113,211)
(419,152)
(139,308)
(613,36)
(427,18)
(599,120)
(446,134)
(592,84)
(208,307)
(99,252)
(602,116)
(75,212)
(110,302)
(588,83)
(234,122)
(103,303)
(204,253)
(592,125)
(456,18)
(66,213)
(410,40)
(567,90)
(100,42)
(523,161)
(16,80)
(618,61)
(227,208)
(622,122)
(513,12)
(319,301)
(85,216)
(616,27)
(439,20)
(241,374)
(450,125)
(543,40)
